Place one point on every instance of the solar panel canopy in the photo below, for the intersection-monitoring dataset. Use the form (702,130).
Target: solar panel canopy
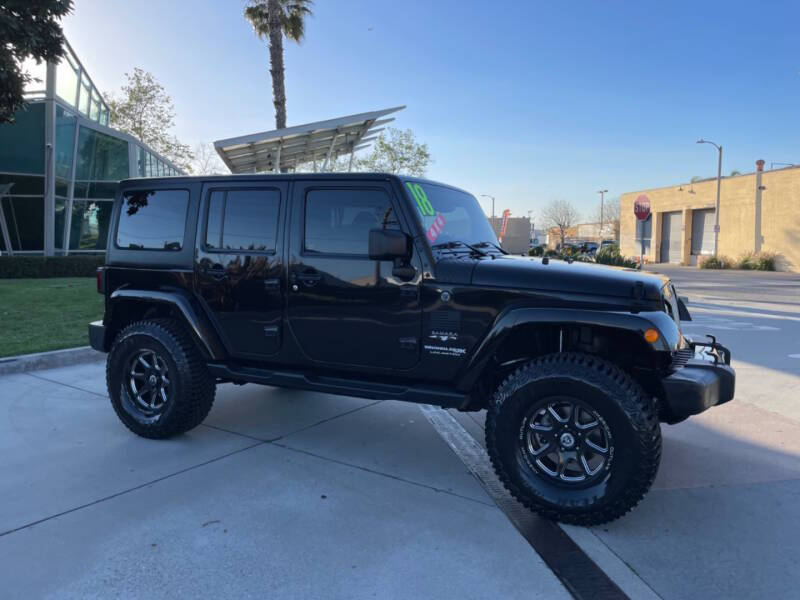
(318,143)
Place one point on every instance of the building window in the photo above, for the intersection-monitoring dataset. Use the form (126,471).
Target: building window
(25,222)
(338,220)
(61,209)
(153,220)
(141,161)
(66,80)
(22,142)
(89,224)
(101,157)
(65,142)
(243,220)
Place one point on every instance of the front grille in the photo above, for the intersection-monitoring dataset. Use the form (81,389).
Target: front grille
(681,357)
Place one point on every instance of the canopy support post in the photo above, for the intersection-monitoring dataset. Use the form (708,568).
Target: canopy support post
(352,151)
(330,150)
(278,159)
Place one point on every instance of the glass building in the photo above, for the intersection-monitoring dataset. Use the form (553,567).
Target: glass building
(60,163)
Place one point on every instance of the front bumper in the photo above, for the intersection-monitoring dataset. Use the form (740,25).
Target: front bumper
(97,336)
(700,384)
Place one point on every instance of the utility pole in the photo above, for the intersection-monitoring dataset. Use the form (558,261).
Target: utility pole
(719,179)
(601,192)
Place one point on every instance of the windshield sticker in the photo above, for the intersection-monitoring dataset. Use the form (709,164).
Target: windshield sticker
(423,204)
(435,229)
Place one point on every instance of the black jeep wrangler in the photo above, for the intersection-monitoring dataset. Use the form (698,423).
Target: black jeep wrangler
(395,288)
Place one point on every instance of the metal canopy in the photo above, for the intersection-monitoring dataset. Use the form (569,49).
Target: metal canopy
(286,148)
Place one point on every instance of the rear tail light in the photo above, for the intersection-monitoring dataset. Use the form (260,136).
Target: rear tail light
(101,280)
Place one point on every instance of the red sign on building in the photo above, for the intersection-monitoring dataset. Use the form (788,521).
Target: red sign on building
(641,207)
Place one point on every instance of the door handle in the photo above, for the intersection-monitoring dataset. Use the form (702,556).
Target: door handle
(308,278)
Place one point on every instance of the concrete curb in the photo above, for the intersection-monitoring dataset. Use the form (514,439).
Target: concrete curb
(49,360)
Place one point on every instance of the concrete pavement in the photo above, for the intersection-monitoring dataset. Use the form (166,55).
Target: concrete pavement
(292,494)
(280,494)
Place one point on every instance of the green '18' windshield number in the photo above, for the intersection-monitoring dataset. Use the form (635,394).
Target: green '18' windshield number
(421,197)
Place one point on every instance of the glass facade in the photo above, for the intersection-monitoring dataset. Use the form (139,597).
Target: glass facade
(60,164)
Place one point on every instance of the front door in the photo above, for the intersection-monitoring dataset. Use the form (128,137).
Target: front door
(238,264)
(343,308)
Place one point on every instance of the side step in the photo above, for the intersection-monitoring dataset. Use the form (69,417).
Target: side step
(439,396)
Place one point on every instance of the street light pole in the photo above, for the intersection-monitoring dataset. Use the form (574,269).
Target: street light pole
(601,192)
(719,180)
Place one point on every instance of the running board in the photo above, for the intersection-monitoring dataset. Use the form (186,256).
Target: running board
(444,397)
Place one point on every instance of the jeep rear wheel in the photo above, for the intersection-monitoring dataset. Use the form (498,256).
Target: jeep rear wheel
(574,438)
(157,380)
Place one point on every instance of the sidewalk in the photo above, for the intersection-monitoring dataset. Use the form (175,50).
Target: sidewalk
(281,494)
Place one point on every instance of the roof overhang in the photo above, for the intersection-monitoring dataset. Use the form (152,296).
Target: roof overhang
(286,148)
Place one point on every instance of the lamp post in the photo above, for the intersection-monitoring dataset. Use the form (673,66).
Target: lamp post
(719,179)
(601,192)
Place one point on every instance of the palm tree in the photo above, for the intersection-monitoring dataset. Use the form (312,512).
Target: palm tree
(272,19)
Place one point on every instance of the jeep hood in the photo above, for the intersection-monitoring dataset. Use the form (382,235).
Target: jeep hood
(518,272)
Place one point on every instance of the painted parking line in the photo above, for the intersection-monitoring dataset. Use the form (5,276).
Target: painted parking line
(574,568)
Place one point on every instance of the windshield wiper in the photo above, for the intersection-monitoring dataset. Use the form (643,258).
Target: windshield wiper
(456,244)
(485,244)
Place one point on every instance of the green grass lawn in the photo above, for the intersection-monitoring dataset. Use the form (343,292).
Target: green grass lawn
(46,314)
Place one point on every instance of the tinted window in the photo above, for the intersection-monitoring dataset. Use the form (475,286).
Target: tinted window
(153,220)
(243,220)
(338,221)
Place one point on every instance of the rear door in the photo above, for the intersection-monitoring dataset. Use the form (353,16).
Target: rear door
(238,264)
(343,308)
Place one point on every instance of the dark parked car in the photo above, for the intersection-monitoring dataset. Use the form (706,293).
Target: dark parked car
(390,287)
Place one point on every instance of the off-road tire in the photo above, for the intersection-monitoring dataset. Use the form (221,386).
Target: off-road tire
(631,418)
(193,388)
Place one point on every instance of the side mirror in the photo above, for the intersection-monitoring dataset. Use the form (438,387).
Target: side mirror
(389,244)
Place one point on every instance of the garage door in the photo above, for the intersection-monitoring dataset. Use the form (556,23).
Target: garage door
(671,237)
(703,231)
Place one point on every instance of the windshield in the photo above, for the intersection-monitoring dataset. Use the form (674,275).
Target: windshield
(449,215)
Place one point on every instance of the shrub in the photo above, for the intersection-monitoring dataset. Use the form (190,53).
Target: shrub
(536,251)
(716,262)
(552,253)
(609,255)
(27,267)
(765,261)
(746,261)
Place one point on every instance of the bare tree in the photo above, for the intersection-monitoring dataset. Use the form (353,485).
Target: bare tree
(561,215)
(207,161)
(610,217)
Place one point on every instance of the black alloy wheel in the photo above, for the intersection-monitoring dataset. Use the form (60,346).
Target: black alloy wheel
(574,438)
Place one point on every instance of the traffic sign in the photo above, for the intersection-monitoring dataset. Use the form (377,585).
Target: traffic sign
(641,207)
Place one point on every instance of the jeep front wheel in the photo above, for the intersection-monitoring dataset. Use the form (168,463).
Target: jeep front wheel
(157,380)
(574,438)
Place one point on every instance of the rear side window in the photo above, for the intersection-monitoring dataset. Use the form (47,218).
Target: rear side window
(152,220)
(243,220)
(338,220)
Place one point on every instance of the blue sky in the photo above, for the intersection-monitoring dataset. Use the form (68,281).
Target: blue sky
(546,100)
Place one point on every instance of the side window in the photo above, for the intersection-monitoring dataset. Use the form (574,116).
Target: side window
(153,220)
(243,220)
(338,220)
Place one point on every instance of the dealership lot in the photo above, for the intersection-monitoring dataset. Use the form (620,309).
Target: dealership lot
(293,494)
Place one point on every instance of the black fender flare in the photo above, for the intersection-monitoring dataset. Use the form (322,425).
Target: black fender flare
(509,320)
(198,323)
